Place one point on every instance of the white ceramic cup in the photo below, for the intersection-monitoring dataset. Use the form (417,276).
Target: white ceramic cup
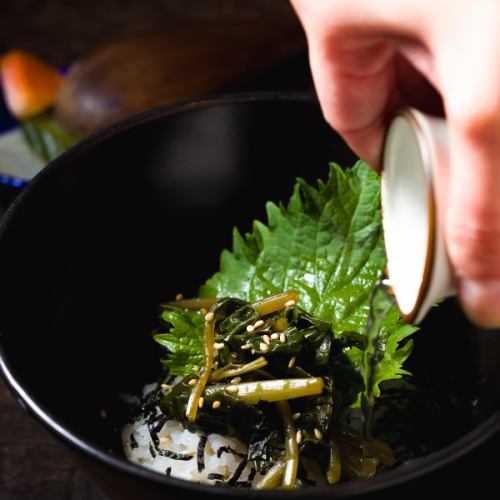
(418,268)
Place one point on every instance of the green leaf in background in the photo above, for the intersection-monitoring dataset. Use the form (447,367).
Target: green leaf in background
(327,244)
(184,340)
(46,137)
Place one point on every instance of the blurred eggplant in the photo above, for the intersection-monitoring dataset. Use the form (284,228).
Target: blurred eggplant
(132,75)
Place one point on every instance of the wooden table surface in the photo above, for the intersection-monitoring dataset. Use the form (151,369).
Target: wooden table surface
(33,463)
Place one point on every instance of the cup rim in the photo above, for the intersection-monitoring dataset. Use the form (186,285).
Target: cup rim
(414,118)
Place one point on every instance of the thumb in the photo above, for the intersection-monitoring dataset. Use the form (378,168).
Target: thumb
(472,227)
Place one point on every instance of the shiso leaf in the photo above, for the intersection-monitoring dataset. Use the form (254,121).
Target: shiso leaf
(184,341)
(327,244)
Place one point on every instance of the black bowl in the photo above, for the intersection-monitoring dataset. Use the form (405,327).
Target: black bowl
(141,211)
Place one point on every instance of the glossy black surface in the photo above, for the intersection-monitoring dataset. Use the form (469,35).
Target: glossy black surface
(134,215)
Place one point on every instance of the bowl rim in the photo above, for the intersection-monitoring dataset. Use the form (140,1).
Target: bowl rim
(404,473)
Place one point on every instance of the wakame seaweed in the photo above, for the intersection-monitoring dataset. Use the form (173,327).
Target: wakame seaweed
(298,350)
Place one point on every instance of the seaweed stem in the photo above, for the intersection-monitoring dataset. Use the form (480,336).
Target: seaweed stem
(273,477)
(275,303)
(291,446)
(199,386)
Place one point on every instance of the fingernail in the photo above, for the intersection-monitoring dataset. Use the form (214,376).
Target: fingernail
(481,301)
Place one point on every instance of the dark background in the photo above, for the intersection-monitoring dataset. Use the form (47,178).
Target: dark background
(33,464)
(61,30)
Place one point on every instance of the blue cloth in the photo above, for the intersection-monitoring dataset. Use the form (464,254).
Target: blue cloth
(7,121)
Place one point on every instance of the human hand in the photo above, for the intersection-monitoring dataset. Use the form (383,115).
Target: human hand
(369,58)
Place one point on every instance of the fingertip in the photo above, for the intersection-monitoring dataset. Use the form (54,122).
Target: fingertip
(367,143)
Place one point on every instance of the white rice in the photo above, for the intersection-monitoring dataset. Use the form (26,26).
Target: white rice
(180,440)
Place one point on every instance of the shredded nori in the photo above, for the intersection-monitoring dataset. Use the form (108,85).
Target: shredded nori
(173,455)
(133,442)
(237,472)
(156,422)
(215,476)
(168,471)
(200,453)
(147,407)
(252,474)
(228,449)
(151,450)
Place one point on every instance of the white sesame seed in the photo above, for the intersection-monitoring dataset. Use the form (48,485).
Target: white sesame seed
(166,387)
(179,296)
(236,380)
(296,416)
(266,339)
(290,303)
(258,323)
(263,347)
(196,368)
(219,345)
(275,336)
(298,437)
(192,382)
(250,328)
(209,316)
(232,388)
(201,402)
(318,434)
(164,440)
(246,346)
(282,338)
(291,362)
(215,405)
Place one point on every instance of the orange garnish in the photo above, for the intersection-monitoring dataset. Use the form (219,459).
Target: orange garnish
(29,84)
